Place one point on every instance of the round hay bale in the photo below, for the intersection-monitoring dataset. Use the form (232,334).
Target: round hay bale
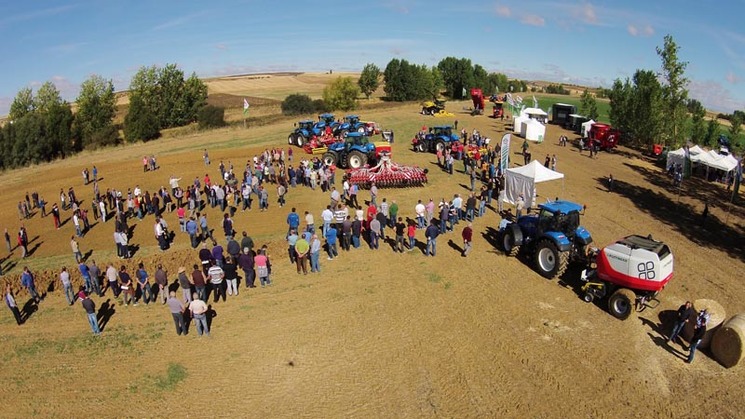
(728,343)
(717,316)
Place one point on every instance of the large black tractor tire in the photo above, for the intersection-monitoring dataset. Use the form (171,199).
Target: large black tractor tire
(291,139)
(621,303)
(421,147)
(329,158)
(356,159)
(440,146)
(508,243)
(549,261)
(300,140)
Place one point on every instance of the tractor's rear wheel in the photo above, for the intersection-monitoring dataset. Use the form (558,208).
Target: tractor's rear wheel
(421,147)
(508,243)
(291,139)
(549,261)
(329,158)
(355,160)
(621,303)
(440,146)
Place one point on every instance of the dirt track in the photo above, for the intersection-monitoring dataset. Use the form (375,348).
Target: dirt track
(379,334)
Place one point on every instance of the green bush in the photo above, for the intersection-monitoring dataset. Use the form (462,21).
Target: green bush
(320,106)
(211,117)
(140,123)
(297,104)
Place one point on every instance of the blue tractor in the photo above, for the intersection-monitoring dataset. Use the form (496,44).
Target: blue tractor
(304,131)
(436,139)
(553,237)
(327,120)
(352,153)
(351,124)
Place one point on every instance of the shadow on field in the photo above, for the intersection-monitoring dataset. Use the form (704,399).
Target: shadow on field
(28,309)
(684,218)
(105,312)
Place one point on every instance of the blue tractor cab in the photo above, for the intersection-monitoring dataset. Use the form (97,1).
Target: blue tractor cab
(351,124)
(554,236)
(304,131)
(326,120)
(437,139)
(354,152)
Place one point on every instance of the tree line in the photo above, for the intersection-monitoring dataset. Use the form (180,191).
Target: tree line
(42,126)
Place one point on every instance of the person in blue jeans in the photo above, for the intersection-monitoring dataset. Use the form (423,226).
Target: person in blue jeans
(90,310)
(198,310)
(684,313)
(64,277)
(431,234)
(27,280)
(698,334)
(86,274)
(331,241)
(144,284)
(315,254)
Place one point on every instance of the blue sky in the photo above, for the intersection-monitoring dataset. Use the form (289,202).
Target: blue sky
(589,43)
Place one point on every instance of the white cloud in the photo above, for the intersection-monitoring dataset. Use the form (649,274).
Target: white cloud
(645,30)
(533,20)
(502,10)
(178,21)
(586,13)
(732,78)
(714,96)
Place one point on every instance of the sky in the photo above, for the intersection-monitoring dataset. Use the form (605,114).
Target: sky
(589,43)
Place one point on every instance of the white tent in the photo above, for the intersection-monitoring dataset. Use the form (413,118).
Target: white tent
(721,162)
(534,113)
(517,124)
(533,130)
(585,130)
(678,156)
(522,180)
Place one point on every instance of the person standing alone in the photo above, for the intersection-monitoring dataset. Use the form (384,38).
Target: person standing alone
(90,311)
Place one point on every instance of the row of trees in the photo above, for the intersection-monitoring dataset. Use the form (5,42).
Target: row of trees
(43,127)
(654,108)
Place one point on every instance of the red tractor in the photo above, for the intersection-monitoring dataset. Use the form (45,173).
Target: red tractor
(477,96)
(630,272)
(604,136)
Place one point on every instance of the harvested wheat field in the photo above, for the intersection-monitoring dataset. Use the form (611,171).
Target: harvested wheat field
(376,333)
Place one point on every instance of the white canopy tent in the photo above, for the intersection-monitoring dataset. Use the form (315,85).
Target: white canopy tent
(710,159)
(585,130)
(534,113)
(522,180)
(533,130)
(678,156)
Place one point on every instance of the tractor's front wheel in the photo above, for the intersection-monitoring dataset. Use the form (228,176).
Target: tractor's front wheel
(421,147)
(508,243)
(621,303)
(355,160)
(549,261)
(343,133)
(361,129)
(300,140)
(329,158)
(291,139)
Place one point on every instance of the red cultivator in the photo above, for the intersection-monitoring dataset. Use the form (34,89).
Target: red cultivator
(388,175)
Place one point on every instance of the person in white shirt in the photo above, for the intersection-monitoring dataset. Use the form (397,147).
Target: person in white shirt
(420,210)
(327,216)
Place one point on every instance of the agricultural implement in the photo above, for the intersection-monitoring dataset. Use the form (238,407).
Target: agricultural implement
(387,174)
(477,97)
(630,272)
(433,107)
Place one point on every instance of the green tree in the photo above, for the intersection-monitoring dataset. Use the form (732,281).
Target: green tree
(140,123)
(341,94)
(22,104)
(674,92)
(297,104)
(369,80)
(499,81)
(194,97)
(392,75)
(712,133)
(735,126)
(620,109)
(646,107)
(96,110)
(47,97)
(698,125)
(457,74)
(588,105)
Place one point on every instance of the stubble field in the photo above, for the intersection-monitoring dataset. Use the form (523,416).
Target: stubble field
(376,334)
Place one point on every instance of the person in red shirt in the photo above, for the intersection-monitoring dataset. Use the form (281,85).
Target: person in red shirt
(467,235)
(411,232)
(207,181)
